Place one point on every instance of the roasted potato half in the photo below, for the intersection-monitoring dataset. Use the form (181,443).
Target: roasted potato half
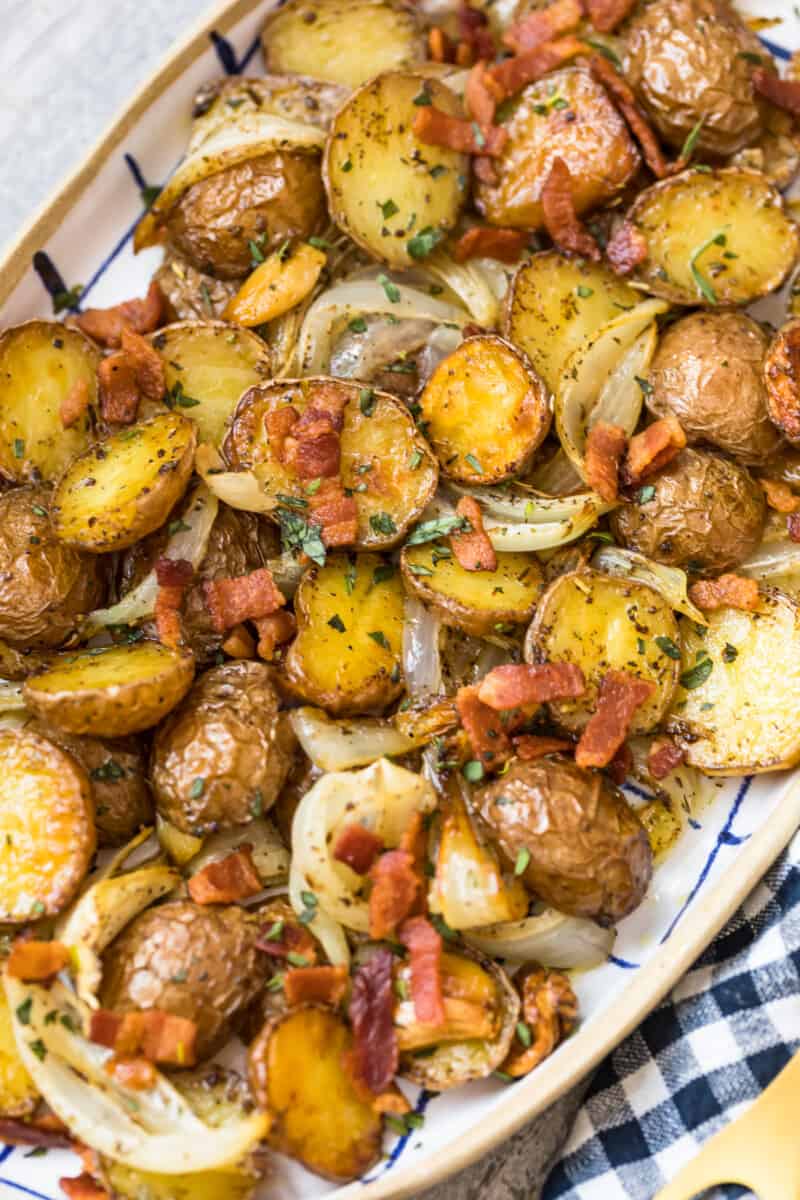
(45,586)
(41,364)
(555,303)
(18,1096)
(479,602)
(207,367)
(603,623)
(123,488)
(394,195)
(47,835)
(297,1074)
(736,710)
(782,380)
(343,42)
(567,115)
(110,692)
(384,459)
(346,656)
(485,411)
(717,237)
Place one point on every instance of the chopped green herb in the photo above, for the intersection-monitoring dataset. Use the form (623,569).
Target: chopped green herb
(68,298)
(178,526)
(429,531)
(257,803)
(19,448)
(310,909)
(479,136)
(313,487)
(38,511)
(350,579)
(605,50)
(197,788)
(523,858)
(645,494)
(291,501)
(300,537)
(297,960)
(109,771)
(276,983)
(691,140)
(442,928)
(524,1034)
(750,56)
(424,242)
(436,171)
(418,569)
(414,460)
(366,401)
(473,771)
(337,623)
(718,238)
(696,675)
(422,99)
(584,292)
(256,253)
(319,243)
(347,165)
(39,1049)
(645,387)
(284,251)
(380,637)
(37,908)
(274,932)
(382,573)
(177,396)
(36,1152)
(473,462)
(357,325)
(388,208)
(401,989)
(668,646)
(381,522)
(23,1011)
(730,653)
(391,289)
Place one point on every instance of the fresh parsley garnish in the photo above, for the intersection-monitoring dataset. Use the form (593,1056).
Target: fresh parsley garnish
(391,289)
(668,646)
(697,674)
(424,242)
(429,531)
(718,238)
(381,522)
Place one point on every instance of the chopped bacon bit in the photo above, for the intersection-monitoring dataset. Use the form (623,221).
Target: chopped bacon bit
(395,887)
(652,449)
(392,1102)
(605,447)
(315,451)
(357,847)
(371,1012)
(472,549)
(293,938)
(618,698)
(542,25)
(529,746)
(415,840)
(621,764)
(780,496)
(239,642)
(173,572)
(793,526)
(316,985)
(83,1187)
(549,1010)
(34,961)
(783,93)
(605,15)
(728,591)
(156,1035)
(105,325)
(440,47)
(35,1133)
(560,219)
(513,74)
(150,378)
(513,685)
(625,101)
(473,30)
(483,726)
(173,576)
(424,945)
(74,404)
(119,390)
(136,1073)
(279,423)
(273,631)
(335,512)
(626,249)
(505,245)
(663,756)
(481,95)
(232,878)
(437,128)
(245,598)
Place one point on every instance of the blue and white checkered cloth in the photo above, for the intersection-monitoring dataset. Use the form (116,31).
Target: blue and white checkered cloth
(699,1059)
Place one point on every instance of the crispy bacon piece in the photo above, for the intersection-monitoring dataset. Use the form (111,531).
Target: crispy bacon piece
(34,961)
(605,447)
(621,764)
(473,31)
(136,1073)
(311,446)
(35,1133)
(728,591)
(232,878)
(273,631)
(440,47)
(550,1010)
(424,946)
(626,249)
(74,404)
(618,698)
(357,847)
(437,128)
(392,1102)
(663,756)
(605,15)
(625,101)
(239,642)
(290,938)
(560,219)
(371,1011)
(118,387)
(83,1187)
(783,93)
(335,512)
(173,576)
(483,726)
(780,496)
(105,325)
(279,423)
(542,25)
(150,377)
(245,598)
(513,74)
(481,94)
(793,526)
(155,1035)
(505,245)
(316,985)
(530,746)
(472,548)
(652,449)
(395,887)
(514,685)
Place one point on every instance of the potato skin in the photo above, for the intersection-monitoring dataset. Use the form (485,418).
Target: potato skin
(191,961)
(685,62)
(229,734)
(589,853)
(44,585)
(701,364)
(182,287)
(706,513)
(272,197)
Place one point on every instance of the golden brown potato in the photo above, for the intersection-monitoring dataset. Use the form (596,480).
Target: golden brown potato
(701,364)
(602,624)
(782,380)
(479,602)
(704,513)
(123,488)
(346,656)
(222,757)
(298,1075)
(486,411)
(296,97)
(45,586)
(691,61)
(384,459)
(110,692)
(566,115)
(193,961)
(47,835)
(189,294)
(263,201)
(18,1096)
(581,848)
(41,362)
